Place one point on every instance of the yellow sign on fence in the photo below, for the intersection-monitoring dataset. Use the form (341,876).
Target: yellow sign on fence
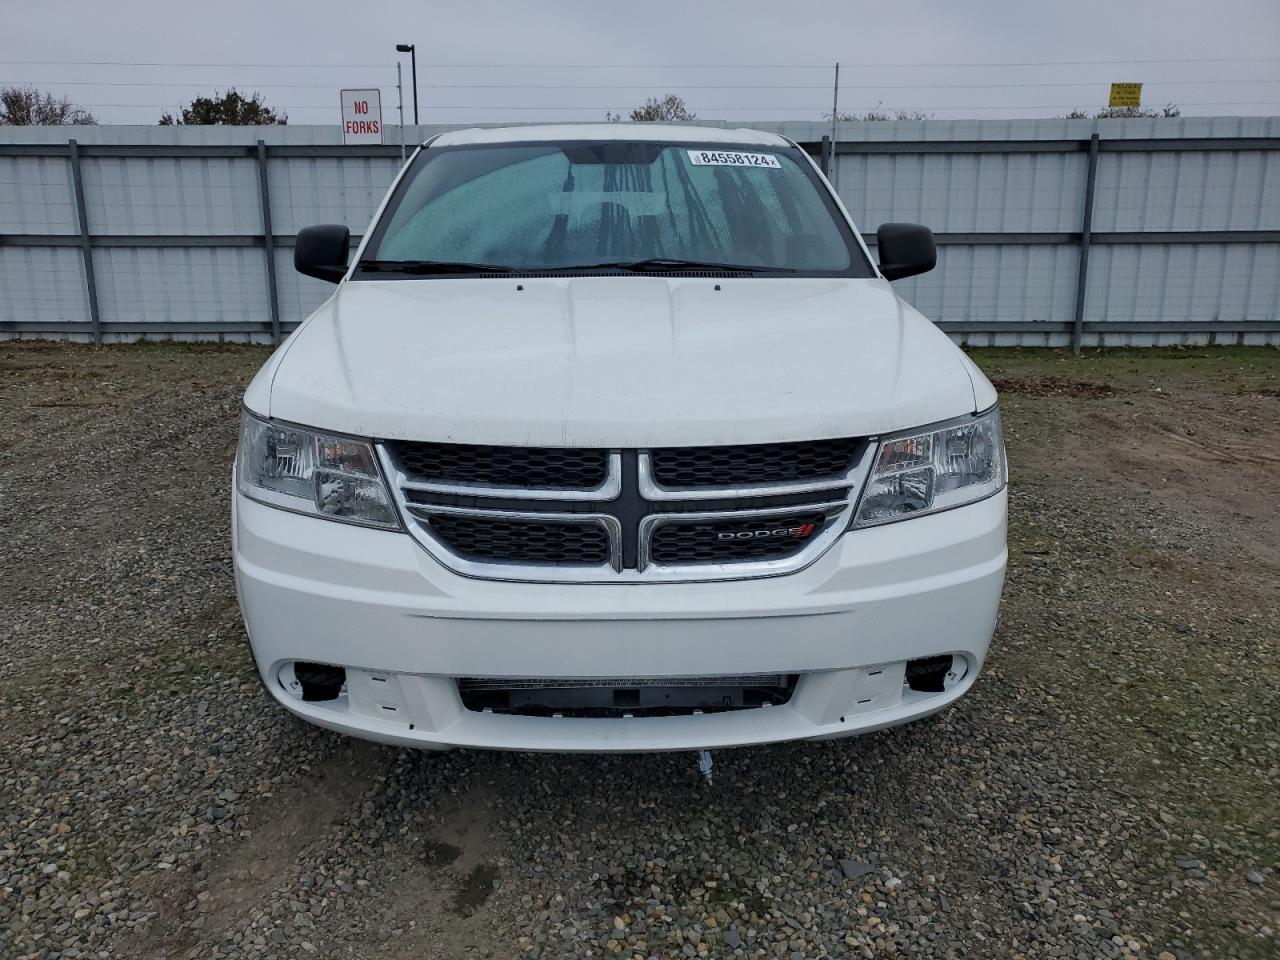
(1126,95)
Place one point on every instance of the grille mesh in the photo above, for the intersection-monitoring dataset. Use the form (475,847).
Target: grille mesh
(529,467)
(702,542)
(752,463)
(523,541)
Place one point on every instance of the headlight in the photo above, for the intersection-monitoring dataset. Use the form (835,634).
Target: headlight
(922,472)
(309,472)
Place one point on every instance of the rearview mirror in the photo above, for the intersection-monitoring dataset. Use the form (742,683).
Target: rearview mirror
(905,249)
(321,251)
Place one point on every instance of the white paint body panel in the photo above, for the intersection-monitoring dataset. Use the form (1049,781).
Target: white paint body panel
(618,361)
(670,132)
(376,603)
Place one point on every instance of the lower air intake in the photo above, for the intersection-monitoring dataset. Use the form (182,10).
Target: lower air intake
(624,697)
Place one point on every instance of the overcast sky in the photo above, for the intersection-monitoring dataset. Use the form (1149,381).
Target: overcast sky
(502,60)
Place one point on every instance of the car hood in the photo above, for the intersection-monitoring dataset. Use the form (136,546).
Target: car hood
(615,361)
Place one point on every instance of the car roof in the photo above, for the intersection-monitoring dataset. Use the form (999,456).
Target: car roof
(673,132)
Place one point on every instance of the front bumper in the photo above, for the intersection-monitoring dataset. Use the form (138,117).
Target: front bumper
(406,628)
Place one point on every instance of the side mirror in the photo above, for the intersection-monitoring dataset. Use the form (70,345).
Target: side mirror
(321,252)
(905,250)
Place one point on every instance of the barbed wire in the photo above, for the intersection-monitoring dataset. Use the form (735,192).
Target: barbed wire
(757,108)
(853,65)
(642,86)
(1157,90)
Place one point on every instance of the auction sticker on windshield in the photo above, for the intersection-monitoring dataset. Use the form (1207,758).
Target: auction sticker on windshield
(720,158)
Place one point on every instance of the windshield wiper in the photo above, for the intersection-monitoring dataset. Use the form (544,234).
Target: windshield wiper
(648,265)
(676,264)
(425,267)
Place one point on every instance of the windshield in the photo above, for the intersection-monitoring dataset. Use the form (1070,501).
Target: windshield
(612,204)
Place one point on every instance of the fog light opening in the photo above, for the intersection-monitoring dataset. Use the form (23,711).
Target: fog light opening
(319,681)
(930,674)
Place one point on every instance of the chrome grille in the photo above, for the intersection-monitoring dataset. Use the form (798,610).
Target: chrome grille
(599,515)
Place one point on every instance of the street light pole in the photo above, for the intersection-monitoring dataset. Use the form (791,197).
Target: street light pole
(835,112)
(412,50)
(400,90)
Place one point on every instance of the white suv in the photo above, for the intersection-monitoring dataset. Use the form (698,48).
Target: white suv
(614,437)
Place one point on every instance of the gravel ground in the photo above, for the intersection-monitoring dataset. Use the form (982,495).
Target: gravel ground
(1107,790)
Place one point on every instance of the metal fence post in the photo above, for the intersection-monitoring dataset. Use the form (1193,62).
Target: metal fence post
(86,245)
(1086,228)
(268,241)
(825,157)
